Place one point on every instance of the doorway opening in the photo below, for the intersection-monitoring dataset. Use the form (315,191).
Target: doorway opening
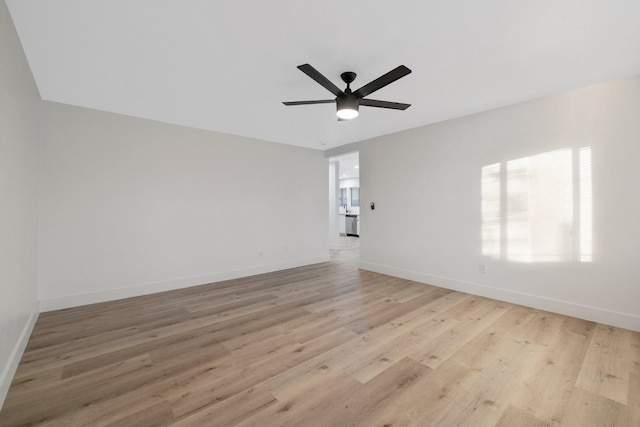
(344,202)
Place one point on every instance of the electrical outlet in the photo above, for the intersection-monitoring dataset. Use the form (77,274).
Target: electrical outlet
(482,269)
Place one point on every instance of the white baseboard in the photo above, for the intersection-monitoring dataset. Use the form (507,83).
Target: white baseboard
(75,300)
(14,359)
(594,314)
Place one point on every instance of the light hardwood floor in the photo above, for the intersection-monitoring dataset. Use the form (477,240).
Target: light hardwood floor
(323,345)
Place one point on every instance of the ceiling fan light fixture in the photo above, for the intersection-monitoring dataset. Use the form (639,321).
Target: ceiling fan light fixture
(347,107)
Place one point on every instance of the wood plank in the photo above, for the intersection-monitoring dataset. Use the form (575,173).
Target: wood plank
(634,398)
(549,383)
(496,374)
(541,329)
(409,337)
(60,397)
(422,401)
(513,416)
(154,416)
(384,390)
(608,362)
(243,376)
(578,326)
(589,409)
(480,317)
(230,411)
(309,407)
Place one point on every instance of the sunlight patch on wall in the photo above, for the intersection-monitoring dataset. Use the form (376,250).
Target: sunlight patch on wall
(586,196)
(491,211)
(538,208)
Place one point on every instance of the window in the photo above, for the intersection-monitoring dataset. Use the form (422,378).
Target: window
(355,197)
(343,197)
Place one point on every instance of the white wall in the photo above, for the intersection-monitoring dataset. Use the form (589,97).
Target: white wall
(19,135)
(433,173)
(131,206)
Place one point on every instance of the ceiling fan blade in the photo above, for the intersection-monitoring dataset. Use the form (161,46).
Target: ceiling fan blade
(384,104)
(320,101)
(382,81)
(324,82)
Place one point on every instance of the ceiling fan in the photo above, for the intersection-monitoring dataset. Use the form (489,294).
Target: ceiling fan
(348,102)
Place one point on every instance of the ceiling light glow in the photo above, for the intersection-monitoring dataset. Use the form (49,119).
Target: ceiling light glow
(347,114)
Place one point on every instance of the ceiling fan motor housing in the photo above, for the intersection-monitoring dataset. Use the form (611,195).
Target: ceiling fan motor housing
(347,106)
(347,102)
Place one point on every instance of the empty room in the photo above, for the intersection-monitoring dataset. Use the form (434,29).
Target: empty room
(360,213)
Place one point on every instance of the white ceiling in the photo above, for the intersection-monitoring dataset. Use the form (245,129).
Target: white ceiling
(226,66)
